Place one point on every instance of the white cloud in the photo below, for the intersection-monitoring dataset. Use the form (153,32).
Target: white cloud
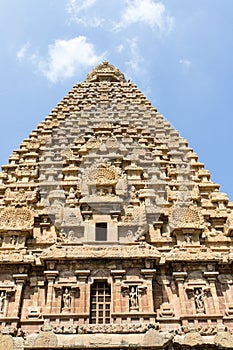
(66,58)
(76,10)
(185,62)
(149,12)
(120,48)
(79,5)
(135,63)
(21,53)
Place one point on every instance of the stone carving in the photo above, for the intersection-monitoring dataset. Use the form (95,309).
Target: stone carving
(103,175)
(166,310)
(20,198)
(135,215)
(105,72)
(66,298)
(46,339)
(161,339)
(16,218)
(133,298)
(190,217)
(224,340)
(117,328)
(24,172)
(228,229)
(193,339)
(105,146)
(140,250)
(13,240)
(138,235)
(2,302)
(199,301)
(6,342)
(198,294)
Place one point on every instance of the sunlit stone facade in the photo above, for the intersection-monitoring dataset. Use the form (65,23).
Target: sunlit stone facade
(112,234)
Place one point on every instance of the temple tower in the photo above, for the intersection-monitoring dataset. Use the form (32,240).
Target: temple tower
(112,234)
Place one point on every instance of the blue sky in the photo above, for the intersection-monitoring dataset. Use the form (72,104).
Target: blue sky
(178,52)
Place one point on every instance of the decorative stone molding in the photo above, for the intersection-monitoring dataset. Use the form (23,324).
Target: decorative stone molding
(106,328)
(16,219)
(105,72)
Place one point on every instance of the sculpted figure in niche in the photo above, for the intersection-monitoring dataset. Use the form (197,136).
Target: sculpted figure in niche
(2,302)
(133,298)
(198,298)
(188,238)
(66,299)
(13,240)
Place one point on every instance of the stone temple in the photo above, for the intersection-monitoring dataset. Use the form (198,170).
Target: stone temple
(112,234)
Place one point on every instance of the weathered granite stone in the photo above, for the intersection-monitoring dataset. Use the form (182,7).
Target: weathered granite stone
(156,339)
(6,342)
(46,339)
(224,340)
(193,339)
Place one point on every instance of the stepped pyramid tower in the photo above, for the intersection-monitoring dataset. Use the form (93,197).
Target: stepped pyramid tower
(112,234)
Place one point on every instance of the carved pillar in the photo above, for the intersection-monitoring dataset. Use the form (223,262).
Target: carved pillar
(116,293)
(149,275)
(211,278)
(179,278)
(84,288)
(50,275)
(229,297)
(167,295)
(19,280)
(41,294)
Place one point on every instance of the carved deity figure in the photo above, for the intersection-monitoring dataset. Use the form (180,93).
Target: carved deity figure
(66,299)
(2,302)
(133,298)
(13,240)
(188,238)
(198,298)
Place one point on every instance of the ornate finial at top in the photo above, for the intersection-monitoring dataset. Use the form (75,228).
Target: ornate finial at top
(105,72)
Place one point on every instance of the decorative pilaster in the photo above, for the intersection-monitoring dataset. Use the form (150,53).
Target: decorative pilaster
(149,275)
(229,297)
(116,293)
(50,275)
(211,278)
(20,281)
(84,287)
(179,278)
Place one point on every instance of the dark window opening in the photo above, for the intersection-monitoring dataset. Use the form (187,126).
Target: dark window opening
(101,231)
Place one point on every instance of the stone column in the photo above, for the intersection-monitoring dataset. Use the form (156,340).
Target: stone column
(50,275)
(41,294)
(116,292)
(211,278)
(179,278)
(84,289)
(149,275)
(20,281)
(229,298)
